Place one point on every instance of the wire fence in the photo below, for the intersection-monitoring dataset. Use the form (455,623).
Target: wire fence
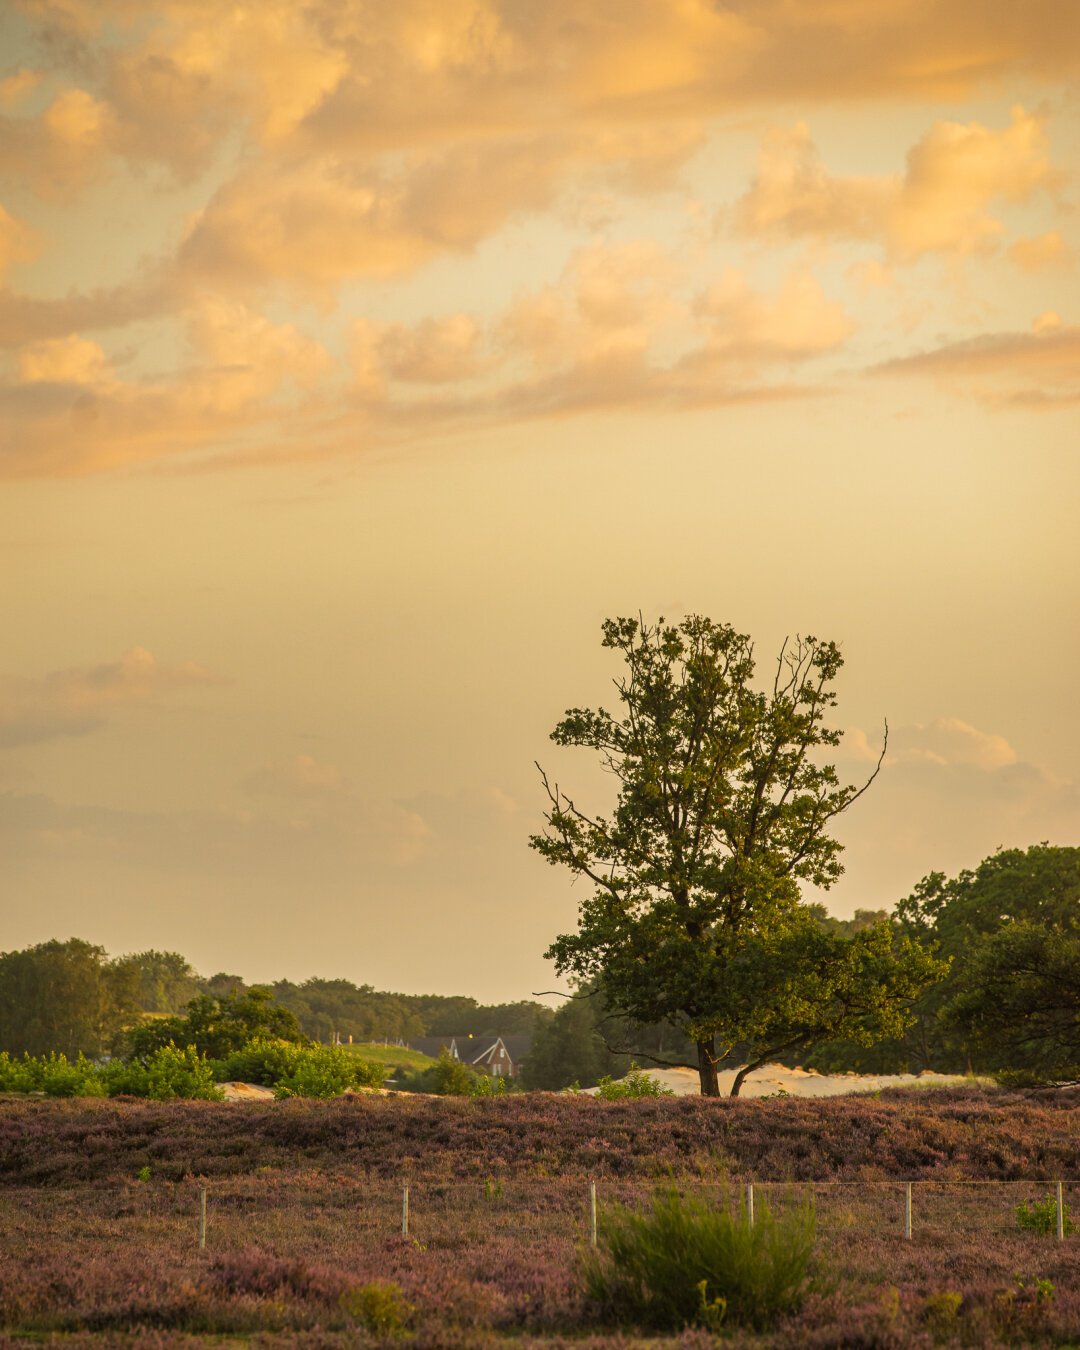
(567,1211)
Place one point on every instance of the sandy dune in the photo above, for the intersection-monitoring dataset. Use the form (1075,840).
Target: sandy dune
(773,1078)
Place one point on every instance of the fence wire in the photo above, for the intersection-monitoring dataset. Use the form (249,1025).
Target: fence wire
(361,1213)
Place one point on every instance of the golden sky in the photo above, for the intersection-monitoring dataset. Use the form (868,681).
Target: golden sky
(359,358)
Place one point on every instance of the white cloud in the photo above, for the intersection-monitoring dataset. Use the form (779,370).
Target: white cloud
(77,700)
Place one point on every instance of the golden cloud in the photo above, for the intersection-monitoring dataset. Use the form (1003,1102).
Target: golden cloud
(1039,369)
(1044,251)
(939,204)
(18,243)
(796,321)
(70,413)
(75,701)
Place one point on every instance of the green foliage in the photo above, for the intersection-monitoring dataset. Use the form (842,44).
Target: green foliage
(570,1047)
(324,1071)
(163,982)
(169,1073)
(1041,1216)
(723,809)
(143,1174)
(65,997)
(685,1262)
(54,1075)
(379,1307)
(449,1077)
(217,1026)
(1010,1003)
(940,1311)
(637,1083)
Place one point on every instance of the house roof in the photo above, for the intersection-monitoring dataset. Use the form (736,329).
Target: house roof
(473,1049)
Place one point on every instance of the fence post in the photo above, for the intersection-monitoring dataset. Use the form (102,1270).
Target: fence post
(202,1218)
(750,1203)
(907,1209)
(405,1210)
(1060,1212)
(592,1213)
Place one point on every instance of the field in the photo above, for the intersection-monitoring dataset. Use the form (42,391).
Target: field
(304,1217)
(393,1056)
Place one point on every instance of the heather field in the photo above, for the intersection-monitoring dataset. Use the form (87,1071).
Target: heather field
(99,1214)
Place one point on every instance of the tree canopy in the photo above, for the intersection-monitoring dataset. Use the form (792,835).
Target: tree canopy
(724,806)
(1010,1003)
(64,996)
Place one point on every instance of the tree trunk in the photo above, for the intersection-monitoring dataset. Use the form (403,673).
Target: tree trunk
(706,1058)
(737,1084)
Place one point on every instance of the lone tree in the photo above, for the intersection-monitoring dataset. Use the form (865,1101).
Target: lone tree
(723,808)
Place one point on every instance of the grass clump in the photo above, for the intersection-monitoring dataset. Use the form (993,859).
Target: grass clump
(637,1083)
(1041,1216)
(684,1262)
(379,1307)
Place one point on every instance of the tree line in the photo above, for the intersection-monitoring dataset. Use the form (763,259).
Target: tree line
(71,997)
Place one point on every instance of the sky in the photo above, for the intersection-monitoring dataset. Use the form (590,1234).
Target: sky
(358,359)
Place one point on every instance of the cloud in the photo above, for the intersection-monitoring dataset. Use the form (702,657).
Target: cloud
(77,700)
(1039,369)
(63,150)
(25,319)
(250,357)
(69,411)
(14,88)
(796,321)
(950,741)
(938,205)
(433,351)
(67,360)
(301,776)
(310,228)
(1042,252)
(18,243)
(949,794)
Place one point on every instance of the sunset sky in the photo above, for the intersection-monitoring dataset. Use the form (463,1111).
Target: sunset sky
(359,358)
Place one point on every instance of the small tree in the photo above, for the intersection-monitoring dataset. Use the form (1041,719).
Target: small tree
(218,1026)
(723,808)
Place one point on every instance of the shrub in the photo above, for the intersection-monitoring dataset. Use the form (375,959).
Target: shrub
(263,1060)
(1041,1216)
(324,1071)
(167,1074)
(637,1083)
(53,1074)
(449,1077)
(686,1262)
(379,1307)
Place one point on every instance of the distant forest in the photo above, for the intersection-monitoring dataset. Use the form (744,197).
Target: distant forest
(1008,1002)
(72,996)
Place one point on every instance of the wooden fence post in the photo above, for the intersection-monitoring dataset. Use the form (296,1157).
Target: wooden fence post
(202,1218)
(907,1209)
(592,1213)
(405,1211)
(1060,1212)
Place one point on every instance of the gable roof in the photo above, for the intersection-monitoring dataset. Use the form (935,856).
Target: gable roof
(473,1049)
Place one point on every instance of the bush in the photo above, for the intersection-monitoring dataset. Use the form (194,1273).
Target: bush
(263,1060)
(449,1077)
(686,1262)
(379,1307)
(1041,1216)
(166,1074)
(637,1083)
(55,1075)
(323,1071)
